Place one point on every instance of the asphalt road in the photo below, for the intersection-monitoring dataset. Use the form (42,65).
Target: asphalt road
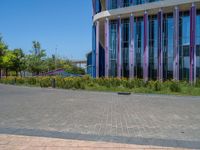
(97,116)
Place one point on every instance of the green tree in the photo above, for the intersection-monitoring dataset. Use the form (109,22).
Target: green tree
(3,48)
(18,61)
(7,61)
(36,60)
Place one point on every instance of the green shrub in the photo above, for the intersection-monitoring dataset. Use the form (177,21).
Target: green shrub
(198,83)
(45,82)
(154,85)
(175,86)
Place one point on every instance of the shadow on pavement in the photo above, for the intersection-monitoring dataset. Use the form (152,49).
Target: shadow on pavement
(106,138)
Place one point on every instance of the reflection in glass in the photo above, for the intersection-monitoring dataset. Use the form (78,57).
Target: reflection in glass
(113,49)
(139,47)
(112,4)
(184,45)
(153,47)
(198,44)
(168,30)
(125,47)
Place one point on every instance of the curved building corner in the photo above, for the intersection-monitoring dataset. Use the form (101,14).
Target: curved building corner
(148,39)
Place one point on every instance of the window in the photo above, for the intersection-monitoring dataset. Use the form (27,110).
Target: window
(153,47)
(184,45)
(168,30)
(139,47)
(125,47)
(113,48)
(198,44)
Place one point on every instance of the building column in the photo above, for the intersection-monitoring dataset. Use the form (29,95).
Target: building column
(176,44)
(160,46)
(146,49)
(119,65)
(97,49)
(107,48)
(192,44)
(131,48)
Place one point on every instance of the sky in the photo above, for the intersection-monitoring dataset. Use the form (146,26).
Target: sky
(65,25)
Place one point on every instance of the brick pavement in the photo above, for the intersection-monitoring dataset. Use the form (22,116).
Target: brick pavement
(98,116)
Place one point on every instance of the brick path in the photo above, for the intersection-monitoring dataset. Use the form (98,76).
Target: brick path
(11,142)
(168,121)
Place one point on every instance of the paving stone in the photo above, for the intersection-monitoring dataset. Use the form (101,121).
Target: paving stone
(99,116)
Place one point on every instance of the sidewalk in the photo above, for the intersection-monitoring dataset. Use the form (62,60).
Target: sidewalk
(14,142)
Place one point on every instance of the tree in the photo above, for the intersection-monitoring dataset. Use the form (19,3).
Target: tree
(36,60)
(7,62)
(18,61)
(3,48)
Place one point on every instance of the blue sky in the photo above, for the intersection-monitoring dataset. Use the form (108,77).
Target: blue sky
(65,24)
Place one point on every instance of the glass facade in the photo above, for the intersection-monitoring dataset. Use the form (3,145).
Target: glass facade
(184,45)
(139,47)
(161,36)
(153,47)
(113,48)
(168,55)
(126,3)
(125,30)
(198,44)
(113,4)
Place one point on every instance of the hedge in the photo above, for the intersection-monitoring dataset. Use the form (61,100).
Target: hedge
(112,84)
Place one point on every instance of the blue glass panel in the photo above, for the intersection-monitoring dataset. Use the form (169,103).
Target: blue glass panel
(139,47)
(184,46)
(113,48)
(198,45)
(168,31)
(153,47)
(125,47)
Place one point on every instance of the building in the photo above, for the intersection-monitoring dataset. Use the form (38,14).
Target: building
(149,39)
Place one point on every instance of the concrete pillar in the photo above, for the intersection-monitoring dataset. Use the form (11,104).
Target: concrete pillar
(192,44)
(146,49)
(176,44)
(131,48)
(119,65)
(97,49)
(160,47)
(107,47)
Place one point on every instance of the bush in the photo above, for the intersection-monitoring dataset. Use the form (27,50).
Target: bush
(45,82)
(175,86)
(154,85)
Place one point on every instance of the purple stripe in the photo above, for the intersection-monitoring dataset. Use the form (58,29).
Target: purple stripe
(106,48)
(192,41)
(145,67)
(176,44)
(160,50)
(131,49)
(97,49)
(119,49)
